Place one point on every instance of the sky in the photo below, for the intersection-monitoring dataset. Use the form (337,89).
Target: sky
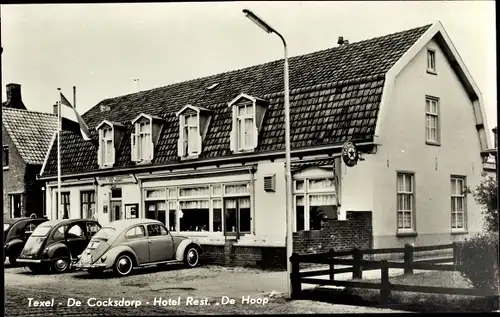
(103,49)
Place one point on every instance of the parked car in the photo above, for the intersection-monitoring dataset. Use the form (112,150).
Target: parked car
(56,244)
(15,233)
(123,245)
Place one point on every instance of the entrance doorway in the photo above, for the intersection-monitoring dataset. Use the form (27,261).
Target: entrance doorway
(116,212)
(16,205)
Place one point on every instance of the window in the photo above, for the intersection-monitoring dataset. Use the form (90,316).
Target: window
(5,157)
(315,202)
(156,230)
(75,232)
(63,209)
(142,146)
(92,228)
(135,233)
(106,147)
(191,134)
(210,208)
(156,210)
(431,61)
(458,202)
(16,205)
(431,120)
(406,198)
(245,127)
(87,208)
(116,193)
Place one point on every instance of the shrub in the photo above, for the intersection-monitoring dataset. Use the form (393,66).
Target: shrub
(486,194)
(478,259)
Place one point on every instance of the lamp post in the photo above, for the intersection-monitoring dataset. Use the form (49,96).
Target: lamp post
(288,174)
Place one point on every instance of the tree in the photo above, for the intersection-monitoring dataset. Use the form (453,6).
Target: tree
(486,194)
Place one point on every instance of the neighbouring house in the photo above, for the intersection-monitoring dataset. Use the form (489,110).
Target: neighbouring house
(26,137)
(206,156)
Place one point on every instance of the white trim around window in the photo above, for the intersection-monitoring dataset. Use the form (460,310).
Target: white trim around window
(106,151)
(432,122)
(141,143)
(405,203)
(458,204)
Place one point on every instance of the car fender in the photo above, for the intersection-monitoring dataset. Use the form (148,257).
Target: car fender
(179,253)
(13,244)
(52,249)
(113,253)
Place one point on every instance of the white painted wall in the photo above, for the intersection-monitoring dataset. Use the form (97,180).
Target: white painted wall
(404,148)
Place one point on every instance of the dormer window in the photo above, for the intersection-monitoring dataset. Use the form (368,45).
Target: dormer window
(248,114)
(110,134)
(146,131)
(193,123)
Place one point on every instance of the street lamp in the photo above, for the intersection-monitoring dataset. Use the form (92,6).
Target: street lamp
(288,174)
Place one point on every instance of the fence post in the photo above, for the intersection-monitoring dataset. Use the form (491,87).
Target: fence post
(455,255)
(331,255)
(357,270)
(408,257)
(295,277)
(385,287)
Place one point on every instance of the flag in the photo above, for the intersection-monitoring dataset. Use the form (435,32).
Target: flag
(71,120)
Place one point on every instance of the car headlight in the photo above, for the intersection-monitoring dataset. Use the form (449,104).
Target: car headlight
(103,258)
(47,250)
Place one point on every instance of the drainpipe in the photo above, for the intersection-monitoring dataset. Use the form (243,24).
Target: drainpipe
(140,211)
(252,183)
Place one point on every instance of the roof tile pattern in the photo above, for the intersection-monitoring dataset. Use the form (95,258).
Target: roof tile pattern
(31,132)
(335,96)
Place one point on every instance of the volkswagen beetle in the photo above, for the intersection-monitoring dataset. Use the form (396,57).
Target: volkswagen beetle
(123,245)
(15,233)
(56,244)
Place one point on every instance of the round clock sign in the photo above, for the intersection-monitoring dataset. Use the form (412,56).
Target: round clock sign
(350,154)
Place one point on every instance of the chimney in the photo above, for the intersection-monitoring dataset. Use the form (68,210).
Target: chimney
(55,109)
(340,41)
(14,99)
(346,42)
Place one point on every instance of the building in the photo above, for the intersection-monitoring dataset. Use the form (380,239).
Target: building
(206,156)
(26,137)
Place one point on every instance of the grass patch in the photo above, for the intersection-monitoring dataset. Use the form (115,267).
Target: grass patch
(410,301)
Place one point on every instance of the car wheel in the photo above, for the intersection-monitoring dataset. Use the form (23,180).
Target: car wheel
(191,256)
(123,265)
(13,258)
(61,264)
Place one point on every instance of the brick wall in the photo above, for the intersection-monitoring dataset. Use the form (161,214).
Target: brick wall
(18,178)
(13,177)
(355,232)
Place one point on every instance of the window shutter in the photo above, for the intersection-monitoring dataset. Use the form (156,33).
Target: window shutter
(99,149)
(234,132)
(181,149)
(113,153)
(255,134)
(133,148)
(151,148)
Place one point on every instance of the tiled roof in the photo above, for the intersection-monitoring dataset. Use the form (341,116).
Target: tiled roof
(31,132)
(335,95)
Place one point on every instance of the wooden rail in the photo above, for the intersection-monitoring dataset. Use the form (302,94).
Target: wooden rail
(357,265)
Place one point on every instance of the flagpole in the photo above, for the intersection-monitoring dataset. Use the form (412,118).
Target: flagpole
(58,158)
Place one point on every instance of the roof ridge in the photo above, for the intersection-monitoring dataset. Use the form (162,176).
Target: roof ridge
(30,111)
(264,64)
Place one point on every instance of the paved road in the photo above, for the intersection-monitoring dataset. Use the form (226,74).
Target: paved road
(208,284)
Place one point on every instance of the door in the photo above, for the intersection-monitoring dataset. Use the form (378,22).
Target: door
(76,239)
(136,239)
(16,205)
(161,244)
(237,216)
(116,210)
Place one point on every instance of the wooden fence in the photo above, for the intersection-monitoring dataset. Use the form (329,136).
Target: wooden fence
(357,265)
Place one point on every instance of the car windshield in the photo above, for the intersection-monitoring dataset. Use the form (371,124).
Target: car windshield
(6,226)
(105,233)
(41,231)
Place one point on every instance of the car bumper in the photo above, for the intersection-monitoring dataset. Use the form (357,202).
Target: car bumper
(86,266)
(30,261)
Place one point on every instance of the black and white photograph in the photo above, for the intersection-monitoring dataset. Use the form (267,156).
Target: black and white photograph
(245,158)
